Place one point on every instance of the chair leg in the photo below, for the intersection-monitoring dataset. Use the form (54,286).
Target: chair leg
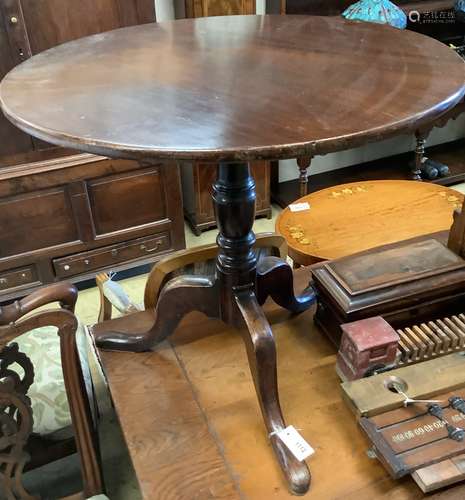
(261,352)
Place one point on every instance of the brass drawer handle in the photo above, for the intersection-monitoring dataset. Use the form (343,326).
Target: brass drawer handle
(158,244)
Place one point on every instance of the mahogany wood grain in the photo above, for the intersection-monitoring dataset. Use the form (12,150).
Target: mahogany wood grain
(349,218)
(197,180)
(275,280)
(205,370)
(195,103)
(142,190)
(301,95)
(99,212)
(64,293)
(53,22)
(44,24)
(261,352)
(230,295)
(163,269)
(41,184)
(51,205)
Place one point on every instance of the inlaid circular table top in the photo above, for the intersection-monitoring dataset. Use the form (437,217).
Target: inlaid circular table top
(233,88)
(349,218)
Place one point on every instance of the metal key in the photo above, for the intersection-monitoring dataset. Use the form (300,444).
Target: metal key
(408,400)
(455,433)
(457,403)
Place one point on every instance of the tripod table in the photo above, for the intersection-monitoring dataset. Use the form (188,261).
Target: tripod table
(231,90)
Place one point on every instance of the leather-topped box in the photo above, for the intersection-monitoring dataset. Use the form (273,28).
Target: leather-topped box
(409,280)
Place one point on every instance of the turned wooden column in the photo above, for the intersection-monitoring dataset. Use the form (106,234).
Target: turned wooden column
(303,163)
(234,203)
(419,154)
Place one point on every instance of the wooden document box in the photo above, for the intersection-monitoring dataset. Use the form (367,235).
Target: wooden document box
(410,280)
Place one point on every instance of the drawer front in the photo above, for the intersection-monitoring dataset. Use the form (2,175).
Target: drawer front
(107,256)
(25,276)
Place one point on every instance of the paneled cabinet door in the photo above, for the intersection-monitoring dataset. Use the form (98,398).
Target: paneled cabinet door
(33,26)
(204,8)
(51,22)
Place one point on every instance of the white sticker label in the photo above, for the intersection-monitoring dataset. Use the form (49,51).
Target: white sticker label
(295,442)
(298,207)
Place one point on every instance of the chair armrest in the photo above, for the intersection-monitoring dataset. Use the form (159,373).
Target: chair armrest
(76,391)
(181,258)
(65,293)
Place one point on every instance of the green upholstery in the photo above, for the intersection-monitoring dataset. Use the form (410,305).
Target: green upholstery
(47,393)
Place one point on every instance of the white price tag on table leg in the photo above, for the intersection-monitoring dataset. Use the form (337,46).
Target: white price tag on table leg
(295,442)
(298,207)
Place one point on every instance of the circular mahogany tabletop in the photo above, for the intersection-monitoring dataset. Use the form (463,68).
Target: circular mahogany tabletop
(233,88)
(349,218)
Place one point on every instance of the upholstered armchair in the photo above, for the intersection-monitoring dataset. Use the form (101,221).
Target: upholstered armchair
(46,409)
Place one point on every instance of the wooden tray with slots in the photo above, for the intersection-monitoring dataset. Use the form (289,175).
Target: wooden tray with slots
(407,439)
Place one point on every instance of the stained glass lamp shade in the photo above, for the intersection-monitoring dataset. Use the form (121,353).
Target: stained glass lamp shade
(377,11)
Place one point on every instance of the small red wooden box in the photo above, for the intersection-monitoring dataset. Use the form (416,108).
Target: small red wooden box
(366,344)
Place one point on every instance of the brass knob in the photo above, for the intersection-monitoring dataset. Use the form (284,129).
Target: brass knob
(13,20)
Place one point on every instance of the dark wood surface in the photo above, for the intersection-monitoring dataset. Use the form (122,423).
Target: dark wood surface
(300,94)
(438,20)
(73,204)
(234,294)
(38,26)
(249,48)
(407,282)
(197,180)
(82,214)
(189,415)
